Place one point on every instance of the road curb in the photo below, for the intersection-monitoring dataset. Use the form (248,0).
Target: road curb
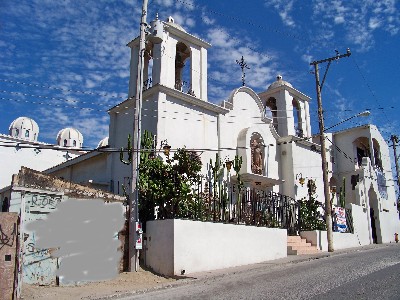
(290,259)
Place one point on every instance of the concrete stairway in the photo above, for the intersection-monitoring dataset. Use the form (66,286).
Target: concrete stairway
(297,245)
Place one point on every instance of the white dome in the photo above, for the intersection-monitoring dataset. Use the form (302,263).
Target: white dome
(70,137)
(103,143)
(279,82)
(24,128)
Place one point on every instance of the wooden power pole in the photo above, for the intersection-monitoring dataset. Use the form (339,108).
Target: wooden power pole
(319,85)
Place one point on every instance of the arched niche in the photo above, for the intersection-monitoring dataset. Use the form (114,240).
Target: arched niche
(182,66)
(298,128)
(257,147)
(252,148)
(271,111)
(148,66)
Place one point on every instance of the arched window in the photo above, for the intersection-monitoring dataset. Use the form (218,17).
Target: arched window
(27,133)
(65,143)
(16,132)
(362,149)
(271,111)
(148,66)
(298,129)
(74,143)
(182,70)
(377,154)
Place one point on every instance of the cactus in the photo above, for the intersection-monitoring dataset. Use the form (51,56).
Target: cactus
(342,194)
(217,169)
(129,149)
(237,165)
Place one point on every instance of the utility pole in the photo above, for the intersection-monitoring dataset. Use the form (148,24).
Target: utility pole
(134,195)
(395,140)
(328,208)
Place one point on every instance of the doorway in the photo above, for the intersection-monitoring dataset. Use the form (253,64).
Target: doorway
(374,216)
(373,226)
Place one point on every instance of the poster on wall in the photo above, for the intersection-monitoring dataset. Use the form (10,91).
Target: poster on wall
(339,219)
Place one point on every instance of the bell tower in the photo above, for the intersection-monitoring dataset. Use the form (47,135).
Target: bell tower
(288,108)
(173,58)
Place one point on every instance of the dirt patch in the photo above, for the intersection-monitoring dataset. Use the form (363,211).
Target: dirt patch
(124,283)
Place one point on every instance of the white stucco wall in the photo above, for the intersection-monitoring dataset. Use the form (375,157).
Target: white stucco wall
(194,246)
(12,159)
(362,231)
(187,125)
(244,119)
(340,240)
(298,160)
(92,172)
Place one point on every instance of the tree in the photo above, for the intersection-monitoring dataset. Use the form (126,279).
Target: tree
(168,184)
(310,217)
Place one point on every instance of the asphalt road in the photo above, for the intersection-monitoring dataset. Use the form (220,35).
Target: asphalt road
(372,273)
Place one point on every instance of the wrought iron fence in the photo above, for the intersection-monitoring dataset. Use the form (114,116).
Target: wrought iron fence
(227,203)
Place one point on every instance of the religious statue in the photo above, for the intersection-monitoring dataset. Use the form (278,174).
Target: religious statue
(256,157)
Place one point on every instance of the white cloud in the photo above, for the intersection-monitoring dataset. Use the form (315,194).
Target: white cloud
(219,37)
(284,9)
(374,23)
(339,20)
(358,19)
(206,18)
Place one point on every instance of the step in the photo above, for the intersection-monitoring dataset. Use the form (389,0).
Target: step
(302,243)
(296,239)
(300,247)
(303,251)
(297,245)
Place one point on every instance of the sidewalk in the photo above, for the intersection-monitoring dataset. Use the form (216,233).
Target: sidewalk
(134,282)
(127,282)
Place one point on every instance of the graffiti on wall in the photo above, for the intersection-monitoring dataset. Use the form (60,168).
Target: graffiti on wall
(39,267)
(42,203)
(77,241)
(7,240)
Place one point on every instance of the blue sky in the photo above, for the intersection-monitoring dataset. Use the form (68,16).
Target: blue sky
(64,63)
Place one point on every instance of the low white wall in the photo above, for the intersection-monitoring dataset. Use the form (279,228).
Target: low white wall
(360,237)
(361,224)
(194,246)
(340,240)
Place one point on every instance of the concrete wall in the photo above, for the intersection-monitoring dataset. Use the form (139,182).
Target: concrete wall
(194,246)
(360,237)
(55,228)
(55,213)
(91,172)
(8,253)
(306,163)
(340,240)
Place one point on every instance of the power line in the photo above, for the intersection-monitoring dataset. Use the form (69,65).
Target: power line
(60,89)
(369,87)
(280,32)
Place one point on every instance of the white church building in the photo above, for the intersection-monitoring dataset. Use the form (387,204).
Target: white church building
(21,148)
(271,131)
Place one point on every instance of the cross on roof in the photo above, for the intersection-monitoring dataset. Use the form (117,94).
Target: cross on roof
(243,65)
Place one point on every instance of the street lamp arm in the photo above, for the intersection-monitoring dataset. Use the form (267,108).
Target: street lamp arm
(361,114)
